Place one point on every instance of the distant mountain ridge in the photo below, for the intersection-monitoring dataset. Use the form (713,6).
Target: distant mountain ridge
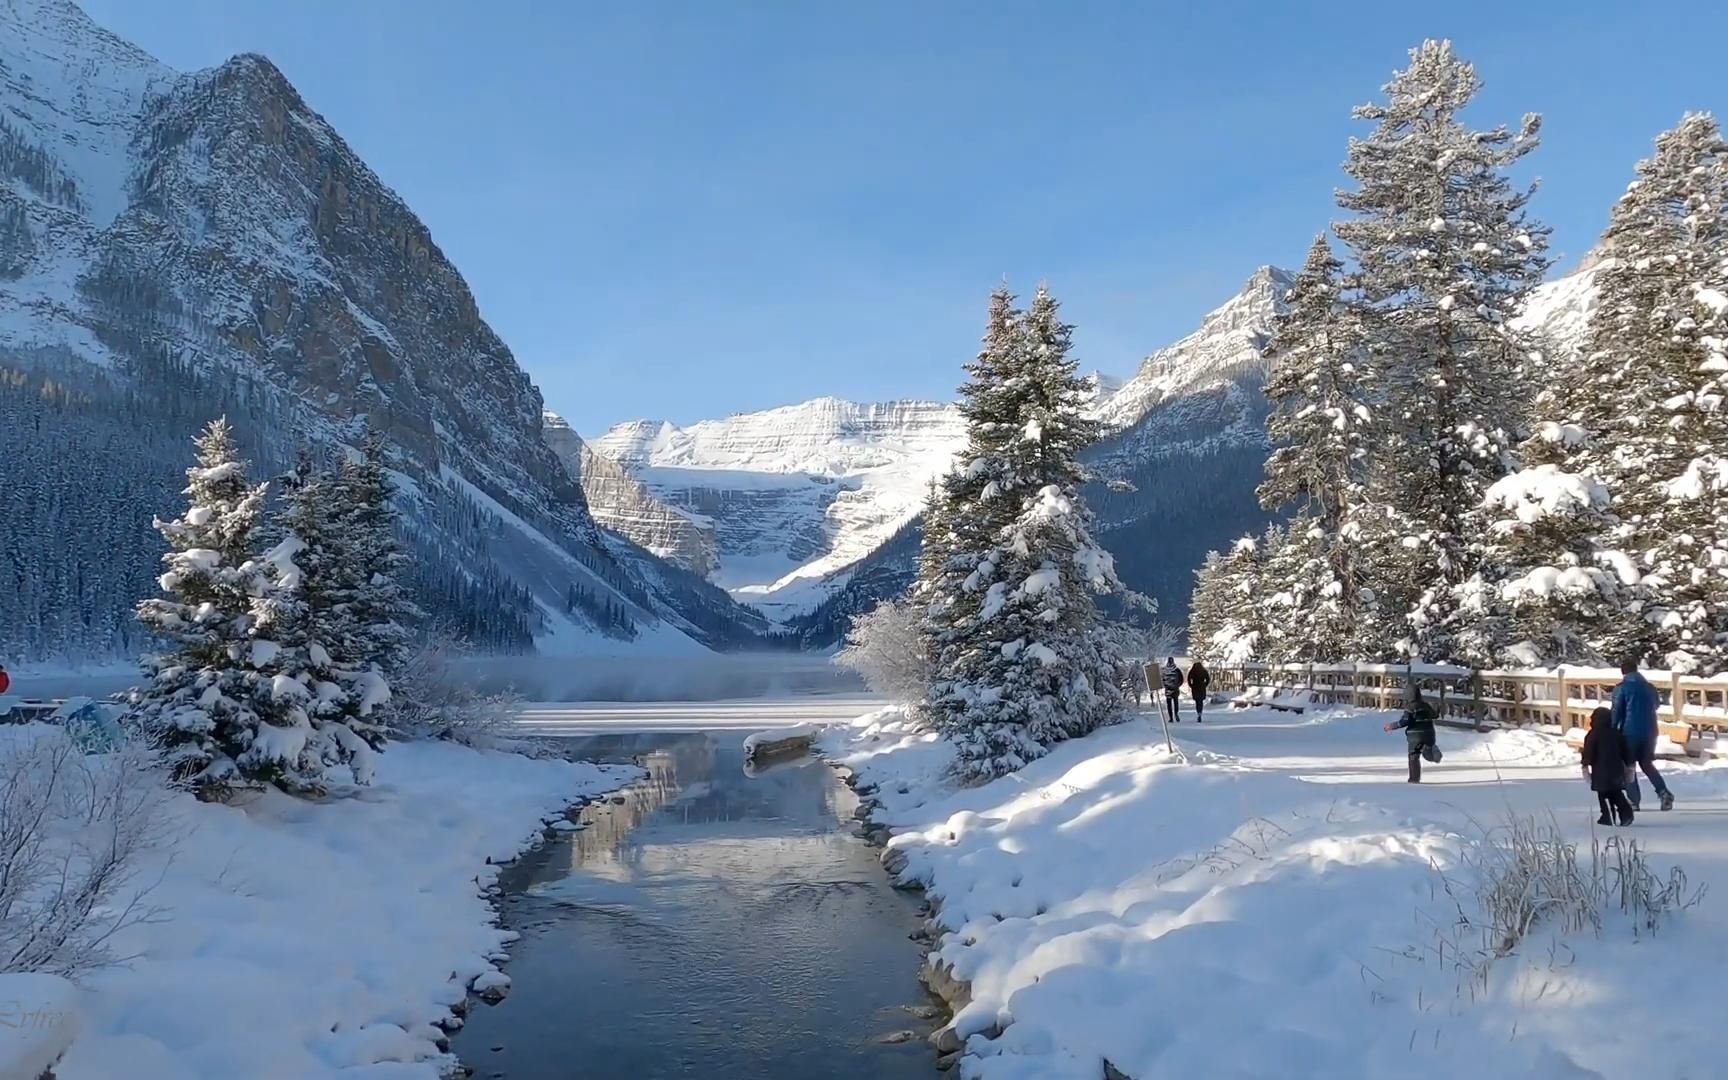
(176,245)
(794,494)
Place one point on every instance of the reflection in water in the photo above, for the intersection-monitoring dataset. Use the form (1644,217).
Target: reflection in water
(712,924)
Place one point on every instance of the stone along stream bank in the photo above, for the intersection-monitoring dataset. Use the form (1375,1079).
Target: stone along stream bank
(708,922)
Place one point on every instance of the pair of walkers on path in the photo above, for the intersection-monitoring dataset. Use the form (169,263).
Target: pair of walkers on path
(1621,741)
(1197,680)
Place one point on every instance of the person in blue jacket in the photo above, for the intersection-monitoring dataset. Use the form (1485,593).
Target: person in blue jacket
(1635,716)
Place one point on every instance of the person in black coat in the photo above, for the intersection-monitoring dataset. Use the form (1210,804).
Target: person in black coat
(1198,680)
(1171,677)
(1418,725)
(1608,760)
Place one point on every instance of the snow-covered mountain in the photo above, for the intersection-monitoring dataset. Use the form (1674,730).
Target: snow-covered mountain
(795,494)
(1226,345)
(178,245)
(1560,309)
(799,496)
(623,504)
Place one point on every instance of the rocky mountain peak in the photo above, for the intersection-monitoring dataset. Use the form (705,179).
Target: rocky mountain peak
(1228,342)
(624,505)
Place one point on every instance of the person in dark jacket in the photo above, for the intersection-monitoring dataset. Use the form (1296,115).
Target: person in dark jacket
(1635,715)
(1418,725)
(1607,761)
(1198,680)
(1171,677)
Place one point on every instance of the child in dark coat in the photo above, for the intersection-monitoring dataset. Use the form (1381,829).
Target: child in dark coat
(1607,759)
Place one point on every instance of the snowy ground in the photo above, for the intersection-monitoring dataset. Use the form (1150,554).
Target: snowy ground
(1274,906)
(301,940)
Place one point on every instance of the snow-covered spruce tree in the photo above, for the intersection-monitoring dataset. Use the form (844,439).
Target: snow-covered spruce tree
(1444,257)
(324,693)
(1289,591)
(199,699)
(293,683)
(1561,598)
(1319,425)
(1239,634)
(1633,412)
(1208,607)
(381,614)
(966,512)
(1039,666)
(1665,337)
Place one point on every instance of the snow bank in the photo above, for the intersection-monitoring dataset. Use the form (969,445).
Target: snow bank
(1272,908)
(305,939)
(38,1021)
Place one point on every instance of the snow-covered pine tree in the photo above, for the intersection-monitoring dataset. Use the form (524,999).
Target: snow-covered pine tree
(1669,282)
(1046,667)
(1208,608)
(309,615)
(1240,636)
(380,613)
(1319,425)
(199,699)
(1445,255)
(935,543)
(966,512)
(295,686)
(1631,414)
(1560,601)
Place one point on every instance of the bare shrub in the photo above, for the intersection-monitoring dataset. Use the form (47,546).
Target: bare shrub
(1625,879)
(886,649)
(1523,874)
(1527,872)
(72,828)
(429,701)
(1136,646)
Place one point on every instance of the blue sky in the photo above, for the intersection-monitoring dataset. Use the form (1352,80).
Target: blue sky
(686,209)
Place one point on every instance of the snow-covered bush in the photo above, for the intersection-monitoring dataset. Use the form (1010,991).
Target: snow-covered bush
(71,829)
(887,651)
(432,702)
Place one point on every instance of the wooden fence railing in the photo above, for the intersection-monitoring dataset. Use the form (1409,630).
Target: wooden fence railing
(1562,697)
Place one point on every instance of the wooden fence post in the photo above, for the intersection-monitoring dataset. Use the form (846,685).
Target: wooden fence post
(1477,709)
(1677,699)
(1565,713)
